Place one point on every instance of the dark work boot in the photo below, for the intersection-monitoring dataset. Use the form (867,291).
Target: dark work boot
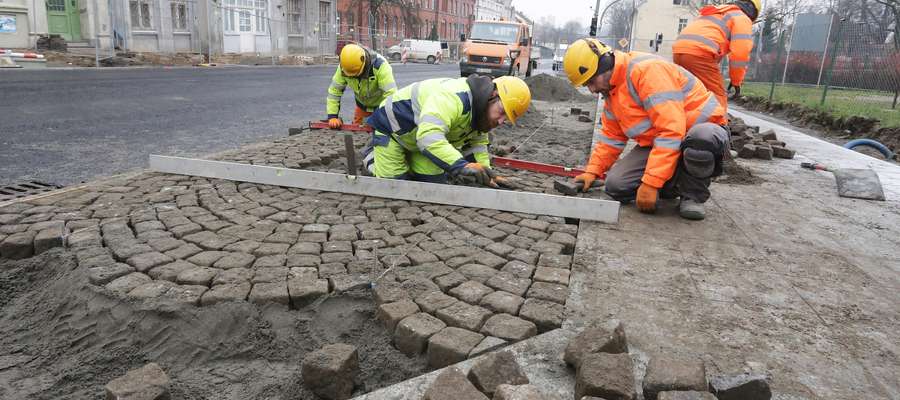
(690,209)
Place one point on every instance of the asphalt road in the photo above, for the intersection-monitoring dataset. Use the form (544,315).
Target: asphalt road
(71,126)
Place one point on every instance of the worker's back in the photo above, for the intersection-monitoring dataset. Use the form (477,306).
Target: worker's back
(712,32)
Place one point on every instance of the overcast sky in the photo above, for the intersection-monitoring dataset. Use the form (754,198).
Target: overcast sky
(562,10)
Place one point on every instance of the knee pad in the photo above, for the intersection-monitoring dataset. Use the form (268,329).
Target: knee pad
(699,163)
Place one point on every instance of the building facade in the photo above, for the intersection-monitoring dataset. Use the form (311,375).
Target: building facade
(407,19)
(662,17)
(22,22)
(493,10)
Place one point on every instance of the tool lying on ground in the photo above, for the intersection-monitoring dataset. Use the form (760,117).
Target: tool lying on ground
(344,127)
(854,183)
(570,188)
(536,167)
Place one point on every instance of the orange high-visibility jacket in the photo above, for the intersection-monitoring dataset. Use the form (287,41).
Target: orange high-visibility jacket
(654,102)
(720,30)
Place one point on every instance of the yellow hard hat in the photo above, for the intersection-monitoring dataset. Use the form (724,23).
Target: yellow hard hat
(582,60)
(353,60)
(514,95)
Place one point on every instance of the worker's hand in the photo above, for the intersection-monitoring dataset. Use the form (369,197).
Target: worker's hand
(335,123)
(586,179)
(733,91)
(505,183)
(481,174)
(646,198)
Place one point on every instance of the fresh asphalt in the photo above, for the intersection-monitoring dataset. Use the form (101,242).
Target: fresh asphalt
(74,125)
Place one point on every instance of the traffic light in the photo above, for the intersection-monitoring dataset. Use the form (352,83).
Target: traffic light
(593,32)
(659,39)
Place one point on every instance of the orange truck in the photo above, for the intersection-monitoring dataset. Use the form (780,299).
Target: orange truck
(497,48)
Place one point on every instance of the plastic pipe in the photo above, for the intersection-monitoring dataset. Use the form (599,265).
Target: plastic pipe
(871,143)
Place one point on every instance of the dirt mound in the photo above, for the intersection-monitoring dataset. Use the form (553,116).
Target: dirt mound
(62,338)
(736,174)
(551,88)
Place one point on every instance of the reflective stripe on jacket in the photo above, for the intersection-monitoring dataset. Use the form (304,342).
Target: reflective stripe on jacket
(720,30)
(434,117)
(369,92)
(654,102)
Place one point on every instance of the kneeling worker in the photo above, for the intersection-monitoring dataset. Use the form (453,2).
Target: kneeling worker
(437,128)
(368,74)
(676,122)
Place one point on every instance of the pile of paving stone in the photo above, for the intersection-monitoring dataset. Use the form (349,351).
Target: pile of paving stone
(748,142)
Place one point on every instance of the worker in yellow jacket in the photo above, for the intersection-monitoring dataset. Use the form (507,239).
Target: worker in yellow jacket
(368,74)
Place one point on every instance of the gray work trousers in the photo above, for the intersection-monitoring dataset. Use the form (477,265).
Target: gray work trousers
(624,178)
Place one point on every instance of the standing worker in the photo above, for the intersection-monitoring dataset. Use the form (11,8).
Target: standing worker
(438,128)
(368,74)
(719,31)
(676,122)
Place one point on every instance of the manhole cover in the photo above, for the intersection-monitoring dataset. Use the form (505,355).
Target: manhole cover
(23,189)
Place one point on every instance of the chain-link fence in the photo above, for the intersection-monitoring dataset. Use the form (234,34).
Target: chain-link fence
(827,62)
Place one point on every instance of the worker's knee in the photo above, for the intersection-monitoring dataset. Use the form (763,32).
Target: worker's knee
(706,135)
(388,159)
(621,187)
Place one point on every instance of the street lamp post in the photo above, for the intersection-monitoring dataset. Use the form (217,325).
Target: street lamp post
(596,24)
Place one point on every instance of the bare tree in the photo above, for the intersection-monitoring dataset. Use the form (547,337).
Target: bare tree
(618,21)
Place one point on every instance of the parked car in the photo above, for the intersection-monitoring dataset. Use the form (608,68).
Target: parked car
(419,50)
(497,48)
(558,57)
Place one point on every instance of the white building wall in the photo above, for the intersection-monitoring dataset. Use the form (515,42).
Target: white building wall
(20,12)
(659,16)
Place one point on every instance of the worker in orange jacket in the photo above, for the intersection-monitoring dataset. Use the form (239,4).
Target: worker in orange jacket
(676,122)
(719,31)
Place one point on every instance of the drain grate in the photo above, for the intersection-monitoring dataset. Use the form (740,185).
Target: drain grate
(23,189)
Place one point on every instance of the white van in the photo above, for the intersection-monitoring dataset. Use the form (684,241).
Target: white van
(419,50)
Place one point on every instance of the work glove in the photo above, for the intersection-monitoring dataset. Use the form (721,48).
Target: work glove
(481,174)
(734,91)
(335,123)
(646,198)
(586,179)
(501,181)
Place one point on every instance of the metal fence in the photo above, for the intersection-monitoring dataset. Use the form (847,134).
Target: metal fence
(823,58)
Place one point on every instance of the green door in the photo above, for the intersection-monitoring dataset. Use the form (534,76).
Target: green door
(63,19)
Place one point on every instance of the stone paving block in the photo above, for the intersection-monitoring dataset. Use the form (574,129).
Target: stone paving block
(686,395)
(389,293)
(449,281)
(170,271)
(288,238)
(396,261)
(184,251)
(276,292)
(18,245)
(273,261)
(421,257)
(201,276)
(452,384)
(209,240)
(337,258)
(412,333)
(145,262)
(430,271)
(519,242)
(547,247)
(126,248)
(302,260)
(10,229)
(127,283)
(270,275)
(304,292)
(164,244)
(502,302)
(520,392)
(552,275)
(571,229)
(46,225)
(347,282)
(508,282)
(505,326)
(741,387)
(610,376)
(303,273)
(507,228)
(149,226)
(433,301)
(499,249)
(10,219)
(564,239)
(518,269)
(146,383)
(448,253)
(549,291)
(463,315)
(337,247)
(431,246)
(490,259)
(546,315)
(330,269)
(315,237)
(233,276)
(84,238)
(316,228)
(470,291)
(207,258)
(496,369)
(36,218)
(666,373)
(417,286)
(369,244)
(555,261)
(526,256)
(595,340)
(450,346)
(271,249)
(168,292)
(532,234)
(331,371)
(390,314)
(234,260)
(477,272)
(535,224)
(105,274)
(457,262)
(182,231)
